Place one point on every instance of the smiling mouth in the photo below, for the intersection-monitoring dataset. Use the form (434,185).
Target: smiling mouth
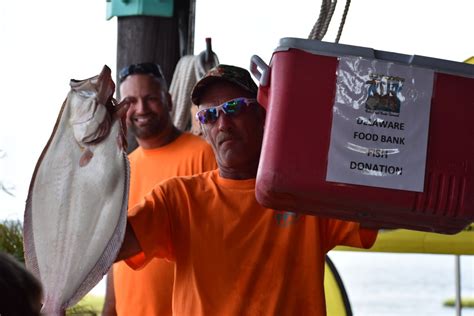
(141,120)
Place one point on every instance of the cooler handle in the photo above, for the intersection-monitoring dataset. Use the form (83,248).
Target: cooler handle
(257,63)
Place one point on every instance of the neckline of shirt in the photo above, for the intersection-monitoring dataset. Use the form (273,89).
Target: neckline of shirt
(246,184)
(175,142)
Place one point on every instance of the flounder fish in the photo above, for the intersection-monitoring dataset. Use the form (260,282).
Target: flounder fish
(76,211)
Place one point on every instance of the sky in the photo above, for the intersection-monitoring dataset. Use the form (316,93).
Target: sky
(72,39)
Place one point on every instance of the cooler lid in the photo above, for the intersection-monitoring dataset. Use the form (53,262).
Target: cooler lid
(339,50)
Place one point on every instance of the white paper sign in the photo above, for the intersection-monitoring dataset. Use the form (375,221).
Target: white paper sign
(380,124)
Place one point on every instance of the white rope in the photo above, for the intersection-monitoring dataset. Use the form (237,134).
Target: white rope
(188,71)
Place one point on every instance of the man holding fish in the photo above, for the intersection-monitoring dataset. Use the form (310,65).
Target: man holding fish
(163,152)
(232,255)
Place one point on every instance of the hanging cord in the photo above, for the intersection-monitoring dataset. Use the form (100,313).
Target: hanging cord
(325,15)
(343,20)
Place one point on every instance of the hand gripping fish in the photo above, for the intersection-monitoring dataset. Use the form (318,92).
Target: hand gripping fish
(76,210)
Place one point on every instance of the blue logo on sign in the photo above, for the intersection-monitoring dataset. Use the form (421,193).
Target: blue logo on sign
(384,94)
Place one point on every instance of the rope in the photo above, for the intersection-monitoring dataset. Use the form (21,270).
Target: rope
(326,12)
(322,24)
(188,71)
(343,20)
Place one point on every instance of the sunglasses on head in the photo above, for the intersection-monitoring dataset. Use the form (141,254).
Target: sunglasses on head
(232,108)
(143,68)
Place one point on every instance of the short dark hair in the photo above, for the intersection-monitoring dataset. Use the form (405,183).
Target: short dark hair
(21,292)
(142,68)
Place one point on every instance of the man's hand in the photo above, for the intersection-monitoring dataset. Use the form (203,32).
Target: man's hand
(121,108)
(130,245)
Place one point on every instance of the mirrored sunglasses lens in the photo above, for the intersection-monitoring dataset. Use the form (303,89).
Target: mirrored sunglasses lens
(233,107)
(207,116)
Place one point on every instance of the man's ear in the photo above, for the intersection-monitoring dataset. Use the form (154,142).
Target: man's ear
(169,101)
(203,131)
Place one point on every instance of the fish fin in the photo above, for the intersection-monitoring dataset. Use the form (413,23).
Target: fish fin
(86,157)
(122,135)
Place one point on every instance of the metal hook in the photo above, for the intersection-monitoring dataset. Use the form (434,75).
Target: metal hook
(209,51)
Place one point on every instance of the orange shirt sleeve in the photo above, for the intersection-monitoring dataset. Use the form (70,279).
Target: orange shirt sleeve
(338,232)
(151,223)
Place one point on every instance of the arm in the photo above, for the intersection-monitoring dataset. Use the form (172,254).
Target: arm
(347,233)
(130,245)
(109,302)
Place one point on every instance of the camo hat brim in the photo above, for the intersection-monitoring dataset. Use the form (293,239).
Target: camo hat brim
(232,74)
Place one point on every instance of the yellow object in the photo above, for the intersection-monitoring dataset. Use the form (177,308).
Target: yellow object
(88,305)
(465,302)
(409,241)
(470,60)
(337,302)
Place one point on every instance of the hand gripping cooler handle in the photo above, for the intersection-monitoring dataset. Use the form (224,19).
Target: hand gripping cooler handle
(263,77)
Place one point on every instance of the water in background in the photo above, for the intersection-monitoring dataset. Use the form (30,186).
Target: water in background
(387,284)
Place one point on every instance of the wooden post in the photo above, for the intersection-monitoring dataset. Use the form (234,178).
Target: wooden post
(163,40)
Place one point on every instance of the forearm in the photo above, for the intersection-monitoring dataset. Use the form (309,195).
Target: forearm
(109,302)
(130,245)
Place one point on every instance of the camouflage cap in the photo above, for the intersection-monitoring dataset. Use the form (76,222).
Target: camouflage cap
(232,74)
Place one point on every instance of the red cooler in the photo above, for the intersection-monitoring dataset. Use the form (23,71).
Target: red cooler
(377,137)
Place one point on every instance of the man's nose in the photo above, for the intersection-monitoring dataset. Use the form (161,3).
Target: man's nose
(224,121)
(141,106)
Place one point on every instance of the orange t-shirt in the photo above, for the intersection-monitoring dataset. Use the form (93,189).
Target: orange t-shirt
(149,291)
(233,256)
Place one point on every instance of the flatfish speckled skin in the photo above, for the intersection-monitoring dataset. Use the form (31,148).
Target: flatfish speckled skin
(76,210)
